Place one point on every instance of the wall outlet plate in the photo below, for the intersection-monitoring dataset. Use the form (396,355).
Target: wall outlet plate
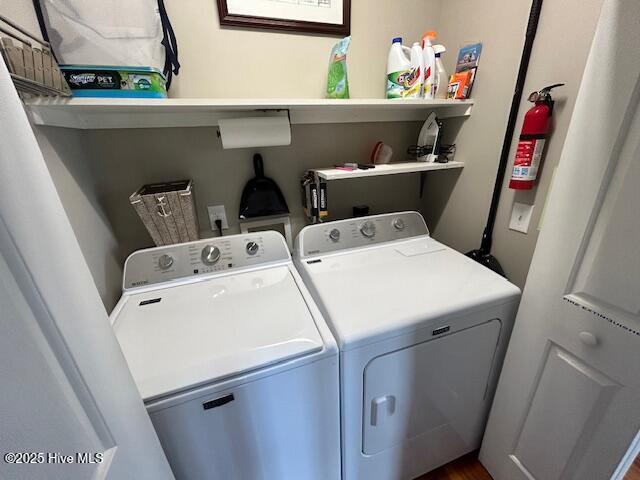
(216,212)
(520,217)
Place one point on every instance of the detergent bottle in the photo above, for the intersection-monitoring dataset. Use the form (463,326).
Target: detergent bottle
(415,81)
(429,63)
(441,79)
(398,69)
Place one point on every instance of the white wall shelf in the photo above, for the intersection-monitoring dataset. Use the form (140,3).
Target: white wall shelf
(98,113)
(386,169)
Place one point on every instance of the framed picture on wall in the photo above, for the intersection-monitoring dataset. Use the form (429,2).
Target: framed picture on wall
(329,17)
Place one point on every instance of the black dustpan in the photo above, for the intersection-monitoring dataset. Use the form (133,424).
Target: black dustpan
(261,196)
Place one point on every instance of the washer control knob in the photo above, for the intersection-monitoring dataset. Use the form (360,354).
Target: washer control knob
(398,224)
(368,229)
(210,255)
(252,248)
(334,234)
(165,261)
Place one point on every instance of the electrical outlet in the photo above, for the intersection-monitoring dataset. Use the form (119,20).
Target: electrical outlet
(216,212)
(520,217)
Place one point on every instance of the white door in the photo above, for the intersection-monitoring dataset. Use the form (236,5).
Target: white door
(568,401)
(68,405)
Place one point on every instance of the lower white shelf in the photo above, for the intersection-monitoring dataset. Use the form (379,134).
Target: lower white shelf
(386,169)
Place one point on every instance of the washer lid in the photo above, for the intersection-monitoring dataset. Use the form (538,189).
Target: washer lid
(372,293)
(180,337)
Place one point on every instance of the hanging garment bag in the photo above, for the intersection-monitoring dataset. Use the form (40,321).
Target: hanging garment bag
(111,32)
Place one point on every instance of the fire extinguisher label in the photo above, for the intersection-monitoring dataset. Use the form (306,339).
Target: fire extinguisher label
(528,155)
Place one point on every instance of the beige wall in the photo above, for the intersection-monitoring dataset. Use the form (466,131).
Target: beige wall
(123,160)
(96,171)
(232,62)
(22,13)
(250,63)
(66,158)
(243,63)
(562,43)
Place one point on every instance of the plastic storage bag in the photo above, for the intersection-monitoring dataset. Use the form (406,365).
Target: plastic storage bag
(337,82)
(111,32)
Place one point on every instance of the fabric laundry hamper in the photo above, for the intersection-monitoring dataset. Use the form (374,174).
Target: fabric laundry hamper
(167,211)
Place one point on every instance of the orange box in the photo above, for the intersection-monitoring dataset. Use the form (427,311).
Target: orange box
(460,85)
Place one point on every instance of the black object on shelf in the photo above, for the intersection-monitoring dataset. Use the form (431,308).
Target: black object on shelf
(261,196)
(361,210)
(483,254)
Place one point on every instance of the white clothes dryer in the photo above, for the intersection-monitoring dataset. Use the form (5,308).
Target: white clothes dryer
(422,332)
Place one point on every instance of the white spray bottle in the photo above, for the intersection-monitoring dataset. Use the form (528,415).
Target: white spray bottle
(441,79)
(429,63)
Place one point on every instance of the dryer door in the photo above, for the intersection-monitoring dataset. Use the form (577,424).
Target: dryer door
(430,395)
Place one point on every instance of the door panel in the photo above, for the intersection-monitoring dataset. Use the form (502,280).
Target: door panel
(40,396)
(277,427)
(66,388)
(439,393)
(568,400)
(608,270)
(581,394)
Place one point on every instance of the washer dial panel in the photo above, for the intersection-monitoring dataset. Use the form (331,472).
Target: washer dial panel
(252,248)
(368,229)
(334,235)
(360,232)
(398,224)
(165,261)
(208,256)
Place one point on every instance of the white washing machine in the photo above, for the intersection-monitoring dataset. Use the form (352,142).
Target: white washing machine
(233,360)
(422,332)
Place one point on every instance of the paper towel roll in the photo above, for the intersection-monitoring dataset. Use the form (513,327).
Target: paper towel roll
(255,132)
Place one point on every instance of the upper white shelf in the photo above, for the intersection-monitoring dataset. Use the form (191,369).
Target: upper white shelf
(385,169)
(95,113)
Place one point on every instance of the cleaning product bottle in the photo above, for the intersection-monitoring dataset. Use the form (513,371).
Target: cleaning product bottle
(441,79)
(429,62)
(398,69)
(415,81)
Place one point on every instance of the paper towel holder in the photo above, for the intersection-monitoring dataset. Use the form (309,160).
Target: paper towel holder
(256,131)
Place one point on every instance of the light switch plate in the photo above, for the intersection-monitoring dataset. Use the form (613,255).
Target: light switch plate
(216,212)
(520,217)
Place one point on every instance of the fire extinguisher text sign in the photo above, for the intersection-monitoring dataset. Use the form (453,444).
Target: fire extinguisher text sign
(528,155)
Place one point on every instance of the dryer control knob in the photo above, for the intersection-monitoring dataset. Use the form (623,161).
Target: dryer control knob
(334,234)
(165,262)
(368,229)
(210,255)
(398,224)
(252,248)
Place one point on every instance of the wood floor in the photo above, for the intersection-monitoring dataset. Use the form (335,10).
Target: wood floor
(464,468)
(470,468)
(634,472)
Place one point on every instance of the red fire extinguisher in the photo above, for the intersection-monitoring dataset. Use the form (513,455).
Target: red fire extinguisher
(532,139)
